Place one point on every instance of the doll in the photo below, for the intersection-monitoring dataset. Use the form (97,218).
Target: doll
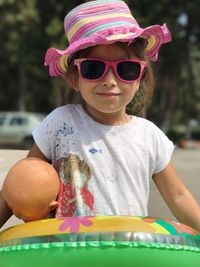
(31,188)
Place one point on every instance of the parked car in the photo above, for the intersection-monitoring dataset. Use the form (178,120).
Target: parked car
(189,143)
(16,128)
(191,139)
(185,136)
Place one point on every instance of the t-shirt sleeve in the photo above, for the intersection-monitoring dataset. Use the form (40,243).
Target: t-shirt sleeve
(42,135)
(164,149)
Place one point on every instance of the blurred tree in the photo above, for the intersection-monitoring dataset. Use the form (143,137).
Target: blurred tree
(176,82)
(17,24)
(29,27)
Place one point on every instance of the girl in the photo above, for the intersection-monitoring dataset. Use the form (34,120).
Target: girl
(107,62)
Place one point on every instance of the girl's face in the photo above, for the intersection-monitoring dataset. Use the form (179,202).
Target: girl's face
(107,98)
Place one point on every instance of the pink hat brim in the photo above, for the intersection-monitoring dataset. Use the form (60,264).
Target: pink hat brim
(156,35)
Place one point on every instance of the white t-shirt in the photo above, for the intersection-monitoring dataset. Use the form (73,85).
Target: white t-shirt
(104,170)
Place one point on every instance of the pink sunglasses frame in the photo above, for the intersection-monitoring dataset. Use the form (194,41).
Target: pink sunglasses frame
(113,64)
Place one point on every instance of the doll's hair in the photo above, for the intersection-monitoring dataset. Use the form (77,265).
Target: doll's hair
(142,98)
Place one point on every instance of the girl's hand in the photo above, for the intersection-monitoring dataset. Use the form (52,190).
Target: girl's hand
(5,211)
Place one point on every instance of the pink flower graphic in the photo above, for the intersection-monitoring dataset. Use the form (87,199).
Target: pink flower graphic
(74,223)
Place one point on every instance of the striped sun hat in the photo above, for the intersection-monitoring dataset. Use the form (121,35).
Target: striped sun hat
(103,22)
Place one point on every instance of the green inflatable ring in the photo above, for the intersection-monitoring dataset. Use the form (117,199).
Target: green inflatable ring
(100,241)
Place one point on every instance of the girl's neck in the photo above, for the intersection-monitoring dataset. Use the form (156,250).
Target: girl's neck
(113,119)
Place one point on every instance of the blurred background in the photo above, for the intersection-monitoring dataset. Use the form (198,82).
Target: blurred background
(29,27)
(27,93)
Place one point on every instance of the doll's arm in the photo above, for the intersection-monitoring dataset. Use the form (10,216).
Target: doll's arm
(178,198)
(5,211)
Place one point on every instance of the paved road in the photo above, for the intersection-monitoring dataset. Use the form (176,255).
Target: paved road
(185,161)
(187,164)
(7,159)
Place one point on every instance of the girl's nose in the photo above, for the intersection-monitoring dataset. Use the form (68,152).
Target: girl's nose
(109,79)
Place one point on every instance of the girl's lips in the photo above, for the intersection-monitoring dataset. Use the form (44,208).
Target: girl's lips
(108,94)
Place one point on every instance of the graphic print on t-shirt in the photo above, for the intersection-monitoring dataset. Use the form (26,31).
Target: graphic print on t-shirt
(74,196)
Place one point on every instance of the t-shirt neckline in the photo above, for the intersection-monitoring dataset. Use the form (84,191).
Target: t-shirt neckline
(86,115)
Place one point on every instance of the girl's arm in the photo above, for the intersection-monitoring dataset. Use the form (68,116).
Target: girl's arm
(5,212)
(178,198)
(36,153)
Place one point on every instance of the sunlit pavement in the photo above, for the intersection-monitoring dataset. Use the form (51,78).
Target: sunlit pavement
(186,161)
(187,164)
(7,159)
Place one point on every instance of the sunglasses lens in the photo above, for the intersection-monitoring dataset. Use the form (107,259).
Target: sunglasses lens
(92,69)
(128,70)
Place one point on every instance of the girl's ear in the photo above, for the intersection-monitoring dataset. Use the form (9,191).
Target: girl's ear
(72,80)
(137,87)
(74,83)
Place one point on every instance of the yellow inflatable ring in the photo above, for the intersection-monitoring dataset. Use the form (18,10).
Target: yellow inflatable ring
(100,241)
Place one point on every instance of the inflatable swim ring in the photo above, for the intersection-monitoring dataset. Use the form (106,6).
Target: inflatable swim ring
(100,241)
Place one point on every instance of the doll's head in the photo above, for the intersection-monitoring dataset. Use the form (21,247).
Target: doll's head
(31,188)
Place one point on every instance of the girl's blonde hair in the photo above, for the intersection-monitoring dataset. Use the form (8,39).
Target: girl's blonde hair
(142,98)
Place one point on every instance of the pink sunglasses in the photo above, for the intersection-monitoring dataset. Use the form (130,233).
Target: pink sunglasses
(126,70)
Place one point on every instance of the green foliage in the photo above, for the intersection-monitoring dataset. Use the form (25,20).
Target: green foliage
(29,27)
